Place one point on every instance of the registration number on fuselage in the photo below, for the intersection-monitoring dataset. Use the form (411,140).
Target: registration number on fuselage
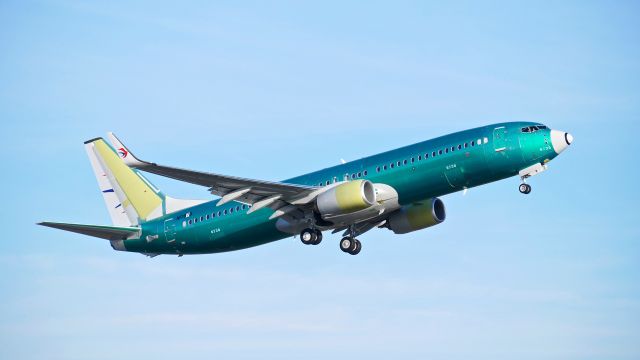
(451,166)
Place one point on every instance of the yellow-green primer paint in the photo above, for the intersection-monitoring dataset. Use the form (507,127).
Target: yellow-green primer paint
(349,196)
(143,198)
(420,215)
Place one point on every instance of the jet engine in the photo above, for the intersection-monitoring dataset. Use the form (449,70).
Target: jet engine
(346,198)
(417,216)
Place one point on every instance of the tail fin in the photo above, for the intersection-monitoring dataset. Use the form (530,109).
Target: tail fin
(125,154)
(129,196)
(135,197)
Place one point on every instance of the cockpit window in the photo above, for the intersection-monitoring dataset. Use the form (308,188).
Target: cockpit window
(530,129)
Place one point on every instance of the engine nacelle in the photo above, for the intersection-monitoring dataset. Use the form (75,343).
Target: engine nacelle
(417,216)
(346,198)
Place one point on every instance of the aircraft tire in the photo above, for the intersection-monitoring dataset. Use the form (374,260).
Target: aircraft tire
(318,234)
(308,237)
(346,244)
(357,247)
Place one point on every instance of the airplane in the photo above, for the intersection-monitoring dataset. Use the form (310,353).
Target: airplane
(398,190)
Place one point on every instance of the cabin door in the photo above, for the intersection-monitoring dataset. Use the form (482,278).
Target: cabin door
(170,231)
(499,139)
(455,177)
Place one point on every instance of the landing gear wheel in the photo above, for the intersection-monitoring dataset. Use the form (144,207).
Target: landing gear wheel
(308,236)
(525,188)
(350,245)
(346,244)
(358,247)
(318,237)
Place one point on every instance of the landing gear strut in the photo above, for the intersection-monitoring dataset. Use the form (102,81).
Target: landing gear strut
(311,236)
(350,245)
(524,188)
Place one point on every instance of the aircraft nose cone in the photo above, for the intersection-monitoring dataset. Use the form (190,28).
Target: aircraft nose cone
(568,137)
(560,140)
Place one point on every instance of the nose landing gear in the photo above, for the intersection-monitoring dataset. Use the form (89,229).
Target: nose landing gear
(524,188)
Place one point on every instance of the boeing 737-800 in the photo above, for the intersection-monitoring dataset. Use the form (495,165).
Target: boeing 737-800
(397,190)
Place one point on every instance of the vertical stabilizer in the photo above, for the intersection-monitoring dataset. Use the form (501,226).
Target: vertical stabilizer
(114,204)
(130,197)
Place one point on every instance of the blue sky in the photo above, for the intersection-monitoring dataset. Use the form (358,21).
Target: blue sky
(273,90)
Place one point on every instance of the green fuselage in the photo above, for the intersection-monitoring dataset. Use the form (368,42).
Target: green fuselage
(462,160)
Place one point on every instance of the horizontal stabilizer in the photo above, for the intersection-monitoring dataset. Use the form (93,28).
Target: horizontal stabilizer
(100,231)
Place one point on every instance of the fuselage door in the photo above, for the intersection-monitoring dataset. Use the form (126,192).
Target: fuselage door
(499,141)
(170,230)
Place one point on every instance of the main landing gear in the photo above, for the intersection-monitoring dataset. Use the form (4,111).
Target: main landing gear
(350,245)
(311,236)
(524,188)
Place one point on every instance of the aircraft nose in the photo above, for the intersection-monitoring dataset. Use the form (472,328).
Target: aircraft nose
(560,140)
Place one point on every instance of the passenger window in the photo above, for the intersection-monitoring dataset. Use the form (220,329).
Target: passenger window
(392,165)
(433,154)
(365,173)
(459,146)
(207,217)
(466,145)
(218,213)
(384,167)
(486,140)
(189,222)
(404,162)
(420,157)
(359,175)
(224,212)
(399,163)
(378,169)
(479,141)
(446,151)
(439,152)
(184,224)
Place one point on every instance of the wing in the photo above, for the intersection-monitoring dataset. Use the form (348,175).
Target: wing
(281,197)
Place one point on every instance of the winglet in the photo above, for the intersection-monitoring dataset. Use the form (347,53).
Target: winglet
(125,154)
